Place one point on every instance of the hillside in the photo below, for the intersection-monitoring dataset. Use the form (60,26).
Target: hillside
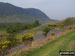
(67,21)
(10,13)
(63,43)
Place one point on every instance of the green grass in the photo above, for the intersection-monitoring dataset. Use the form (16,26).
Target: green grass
(64,43)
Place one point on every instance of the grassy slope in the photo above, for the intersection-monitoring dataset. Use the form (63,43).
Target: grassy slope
(67,22)
(65,43)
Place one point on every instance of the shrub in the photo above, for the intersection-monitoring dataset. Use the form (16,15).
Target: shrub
(74,27)
(0,45)
(52,33)
(46,29)
(27,26)
(52,25)
(45,34)
(36,23)
(9,30)
(4,46)
(27,37)
(12,39)
(62,26)
(70,28)
(7,43)
(16,27)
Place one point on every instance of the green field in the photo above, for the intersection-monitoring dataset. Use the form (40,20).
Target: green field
(64,43)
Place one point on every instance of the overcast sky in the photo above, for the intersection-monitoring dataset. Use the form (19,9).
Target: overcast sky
(55,9)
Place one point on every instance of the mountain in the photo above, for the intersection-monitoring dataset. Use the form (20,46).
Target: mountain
(10,14)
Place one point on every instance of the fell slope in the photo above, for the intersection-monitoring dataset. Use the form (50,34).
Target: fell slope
(10,13)
(67,22)
(64,43)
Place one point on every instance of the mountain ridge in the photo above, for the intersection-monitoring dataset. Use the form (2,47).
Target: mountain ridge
(10,13)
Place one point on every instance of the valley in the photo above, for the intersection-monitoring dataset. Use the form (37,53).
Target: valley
(30,32)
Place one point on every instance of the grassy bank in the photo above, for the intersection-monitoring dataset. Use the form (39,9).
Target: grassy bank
(64,43)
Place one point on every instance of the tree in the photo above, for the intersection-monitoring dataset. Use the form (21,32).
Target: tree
(16,27)
(46,29)
(28,26)
(10,30)
(36,23)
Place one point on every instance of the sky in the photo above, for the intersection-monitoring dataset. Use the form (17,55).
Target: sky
(55,9)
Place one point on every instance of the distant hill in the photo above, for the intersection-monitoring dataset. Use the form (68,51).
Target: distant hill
(10,14)
(67,21)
